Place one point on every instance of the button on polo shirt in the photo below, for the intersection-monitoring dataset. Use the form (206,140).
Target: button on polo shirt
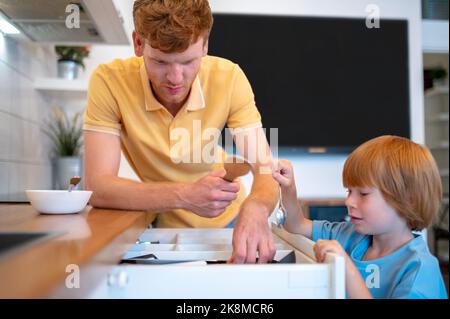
(121,102)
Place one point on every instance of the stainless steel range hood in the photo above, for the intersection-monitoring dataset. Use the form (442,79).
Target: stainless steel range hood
(45,21)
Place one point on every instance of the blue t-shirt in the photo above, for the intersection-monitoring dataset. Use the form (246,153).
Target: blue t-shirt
(409,272)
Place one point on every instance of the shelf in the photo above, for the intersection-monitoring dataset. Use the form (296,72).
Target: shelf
(437,119)
(440,90)
(60,85)
(62,90)
(440,146)
(440,117)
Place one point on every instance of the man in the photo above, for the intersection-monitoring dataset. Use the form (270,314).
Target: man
(141,104)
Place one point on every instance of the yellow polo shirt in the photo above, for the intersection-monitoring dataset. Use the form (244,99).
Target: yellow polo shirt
(121,102)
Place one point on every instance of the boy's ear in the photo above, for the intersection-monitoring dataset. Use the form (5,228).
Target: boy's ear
(138,45)
(205,47)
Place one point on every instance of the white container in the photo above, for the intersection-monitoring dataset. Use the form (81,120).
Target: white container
(68,69)
(64,168)
(58,201)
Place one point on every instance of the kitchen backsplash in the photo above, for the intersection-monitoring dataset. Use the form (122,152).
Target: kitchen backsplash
(24,149)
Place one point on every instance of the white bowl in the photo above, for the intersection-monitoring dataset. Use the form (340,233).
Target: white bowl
(58,202)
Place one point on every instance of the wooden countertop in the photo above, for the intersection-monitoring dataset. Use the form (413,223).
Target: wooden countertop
(93,240)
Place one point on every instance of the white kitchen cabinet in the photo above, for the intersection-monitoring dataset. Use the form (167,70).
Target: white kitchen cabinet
(437,139)
(296,274)
(437,129)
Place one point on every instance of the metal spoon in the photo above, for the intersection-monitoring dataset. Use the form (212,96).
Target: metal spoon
(74,182)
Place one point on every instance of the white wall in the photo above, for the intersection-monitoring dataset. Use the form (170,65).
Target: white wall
(24,150)
(435,36)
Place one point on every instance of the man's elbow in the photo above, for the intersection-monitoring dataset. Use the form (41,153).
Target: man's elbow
(96,200)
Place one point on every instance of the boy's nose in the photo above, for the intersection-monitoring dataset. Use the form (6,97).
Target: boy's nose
(349,202)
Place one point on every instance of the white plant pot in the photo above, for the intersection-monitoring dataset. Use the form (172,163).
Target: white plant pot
(68,70)
(64,168)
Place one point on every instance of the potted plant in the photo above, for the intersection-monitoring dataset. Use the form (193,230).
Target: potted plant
(70,59)
(434,77)
(66,135)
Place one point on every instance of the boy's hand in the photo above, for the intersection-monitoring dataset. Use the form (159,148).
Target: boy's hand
(328,246)
(284,174)
(354,283)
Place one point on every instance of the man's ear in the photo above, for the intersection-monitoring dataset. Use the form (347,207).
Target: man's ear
(138,45)
(205,47)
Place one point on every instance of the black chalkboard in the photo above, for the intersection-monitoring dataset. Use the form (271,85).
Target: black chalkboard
(329,82)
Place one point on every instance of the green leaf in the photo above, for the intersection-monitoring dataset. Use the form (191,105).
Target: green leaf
(72,53)
(66,134)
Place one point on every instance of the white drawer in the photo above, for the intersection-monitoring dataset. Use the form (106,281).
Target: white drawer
(299,277)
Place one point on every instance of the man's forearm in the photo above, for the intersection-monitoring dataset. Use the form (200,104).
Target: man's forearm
(120,193)
(264,191)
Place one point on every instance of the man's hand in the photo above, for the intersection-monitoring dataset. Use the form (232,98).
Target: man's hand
(252,234)
(210,195)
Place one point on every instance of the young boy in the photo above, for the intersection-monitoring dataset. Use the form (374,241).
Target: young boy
(394,188)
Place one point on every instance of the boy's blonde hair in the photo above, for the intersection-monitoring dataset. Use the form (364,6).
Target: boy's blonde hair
(172,25)
(405,173)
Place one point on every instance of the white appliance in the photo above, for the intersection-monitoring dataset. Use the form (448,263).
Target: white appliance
(186,263)
(45,21)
